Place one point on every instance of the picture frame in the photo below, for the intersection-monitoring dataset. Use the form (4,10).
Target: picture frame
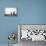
(10,12)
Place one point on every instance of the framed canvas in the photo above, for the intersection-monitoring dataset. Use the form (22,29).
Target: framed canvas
(10,11)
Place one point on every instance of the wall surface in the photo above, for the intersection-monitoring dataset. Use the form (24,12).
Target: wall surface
(29,12)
